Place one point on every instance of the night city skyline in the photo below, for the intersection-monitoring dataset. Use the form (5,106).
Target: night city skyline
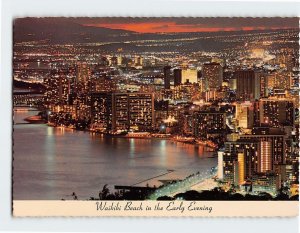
(156,108)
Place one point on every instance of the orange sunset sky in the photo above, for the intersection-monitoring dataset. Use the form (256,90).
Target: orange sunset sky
(169,25)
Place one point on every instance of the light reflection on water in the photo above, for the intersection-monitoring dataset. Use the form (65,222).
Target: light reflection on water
(51,163)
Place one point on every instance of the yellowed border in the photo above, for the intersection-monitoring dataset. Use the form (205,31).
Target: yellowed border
(167,208)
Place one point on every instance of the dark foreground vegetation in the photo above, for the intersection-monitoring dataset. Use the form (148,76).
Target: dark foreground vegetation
(215,194)
(220,195)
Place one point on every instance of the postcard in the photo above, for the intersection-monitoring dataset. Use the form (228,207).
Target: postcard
(179,116)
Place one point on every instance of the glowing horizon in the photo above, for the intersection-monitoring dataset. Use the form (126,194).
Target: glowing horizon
(173,27)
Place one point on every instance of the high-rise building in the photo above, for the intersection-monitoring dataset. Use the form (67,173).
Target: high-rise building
(272,147)
(241,168)
(228,164)
(83,78)
(265,160)
(121,112)
(101,111)
(248,85)
(208,122)
(256,155)
(220,165)
(141,109)
(58,88)
(275,112)
(240,160)
(189,76)
(177,77)
(167,77)
(263,84)
(187,124)
(161,112)
(212,73)
(111,112)
(244,115)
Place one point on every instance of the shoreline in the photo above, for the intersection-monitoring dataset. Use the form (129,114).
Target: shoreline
(193,142)
(36,119)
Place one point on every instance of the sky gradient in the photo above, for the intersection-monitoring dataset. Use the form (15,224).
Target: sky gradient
(176,25)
